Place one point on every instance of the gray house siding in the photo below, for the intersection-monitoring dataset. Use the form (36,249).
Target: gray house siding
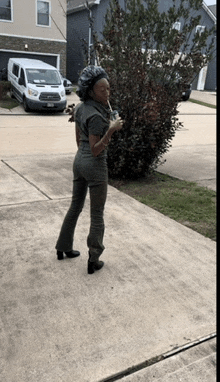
(206,20)
(99,12)
(211,78)
(78,28)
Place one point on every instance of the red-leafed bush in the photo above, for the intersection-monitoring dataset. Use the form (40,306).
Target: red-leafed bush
(140,52)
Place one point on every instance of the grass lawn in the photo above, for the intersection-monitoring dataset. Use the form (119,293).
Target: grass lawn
(203,103)
(185,202)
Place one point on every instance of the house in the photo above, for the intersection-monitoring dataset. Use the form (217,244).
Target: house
(33,29)
(211,77)
(78,30)
(213,9)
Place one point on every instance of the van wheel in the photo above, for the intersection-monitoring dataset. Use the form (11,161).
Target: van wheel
(26,108)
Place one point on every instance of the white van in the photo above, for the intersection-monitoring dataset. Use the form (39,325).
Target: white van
(36,84)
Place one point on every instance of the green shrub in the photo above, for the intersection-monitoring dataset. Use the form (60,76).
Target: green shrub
(5,87)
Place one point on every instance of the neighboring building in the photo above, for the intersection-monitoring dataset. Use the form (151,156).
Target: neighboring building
(33,29)
(78,30)
(213,9)
(211,77)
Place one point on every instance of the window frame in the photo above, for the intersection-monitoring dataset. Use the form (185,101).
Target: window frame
(11,20)
(42,25)
(200,29)
(177,26)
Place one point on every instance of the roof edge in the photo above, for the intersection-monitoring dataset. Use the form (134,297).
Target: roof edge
(206,8)
(82,6)
(94,2)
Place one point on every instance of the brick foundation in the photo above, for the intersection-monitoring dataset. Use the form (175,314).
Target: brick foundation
(34,45)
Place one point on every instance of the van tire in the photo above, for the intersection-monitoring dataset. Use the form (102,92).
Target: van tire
(26,108)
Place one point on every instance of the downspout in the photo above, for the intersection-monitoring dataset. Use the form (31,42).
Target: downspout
(90,36)
(90,27)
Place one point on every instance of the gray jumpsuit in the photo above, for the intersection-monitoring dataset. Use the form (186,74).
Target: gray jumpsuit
(89,171)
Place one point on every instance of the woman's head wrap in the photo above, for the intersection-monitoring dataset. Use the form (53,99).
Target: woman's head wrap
(87,79)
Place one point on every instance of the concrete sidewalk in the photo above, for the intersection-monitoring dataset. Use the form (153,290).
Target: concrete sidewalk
(204,96)
(154,299)
(192,156)
(156,292)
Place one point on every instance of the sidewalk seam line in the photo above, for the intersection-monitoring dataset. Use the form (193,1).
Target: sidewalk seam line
(33,201)
(28,181)
(157,359)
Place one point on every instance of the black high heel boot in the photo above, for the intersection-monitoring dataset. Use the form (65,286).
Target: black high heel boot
(70,254)
(94,266)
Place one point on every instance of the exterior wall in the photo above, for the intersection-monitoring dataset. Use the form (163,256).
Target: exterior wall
(22,35)
(211,78)
(17,44)
(99,12)
(24,21)
(78,30)
(206,20)
(78,27)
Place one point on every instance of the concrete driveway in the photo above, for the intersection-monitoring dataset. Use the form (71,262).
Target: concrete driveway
(152,304)
(192,156)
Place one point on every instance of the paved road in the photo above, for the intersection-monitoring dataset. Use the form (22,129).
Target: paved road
(154,299)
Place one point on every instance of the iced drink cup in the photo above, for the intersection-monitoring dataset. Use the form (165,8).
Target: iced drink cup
(114,115)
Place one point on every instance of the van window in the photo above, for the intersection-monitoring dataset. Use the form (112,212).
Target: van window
(22,76)
(15,70)
(43,76)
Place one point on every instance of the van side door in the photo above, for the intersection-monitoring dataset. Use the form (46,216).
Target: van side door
(14,80)
(22,85)
(22,80)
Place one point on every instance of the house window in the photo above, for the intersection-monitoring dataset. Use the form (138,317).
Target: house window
(43,13)
(6,10)
(200,29)
(177,25)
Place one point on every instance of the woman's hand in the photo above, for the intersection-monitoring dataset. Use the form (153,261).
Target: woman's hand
(97,145)
(116,124)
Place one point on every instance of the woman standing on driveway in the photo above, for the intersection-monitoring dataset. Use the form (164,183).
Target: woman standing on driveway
(93,133)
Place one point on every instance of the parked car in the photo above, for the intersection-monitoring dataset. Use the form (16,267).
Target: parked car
(36,84)
(187,92)
(172,81)
(67,84)
(187,88)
